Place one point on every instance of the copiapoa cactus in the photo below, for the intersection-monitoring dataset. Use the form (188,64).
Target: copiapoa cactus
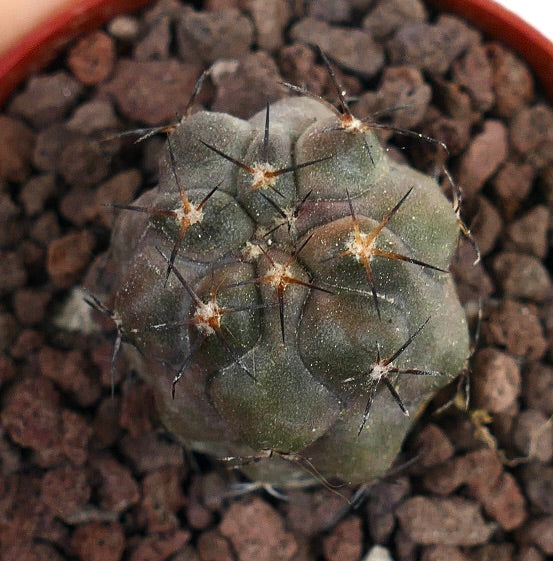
(286,287)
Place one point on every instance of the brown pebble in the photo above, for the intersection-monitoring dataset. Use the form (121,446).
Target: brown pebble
(105,424)
(32,418)
(537,387)
(351,49)
(95,541)
(538,531)
(444,521)
(137,407)
(298,64)
(344,543)
(473,72)
(159,547)
(149,451)
(495,381)
(531,128)
(537,480)
(382,499)
(270,18)
(33,552)
(65,490)
(91,59)
(162,497)
(431,447)
(34,194)
(245,86)
(155,45)
(46,228)
(487,225)
(30,305)
(49,145)
(486,152)
(26,344)
(93,117)
(311,513)
(213,546)
(387,16)
(442,553)
(528,234)
(161,89)
(68,256)
(502,500)
(512,184)
(78,206)
(492,551)
(512,80)
(516,327)
(12,272)
(16,147)
(521,276)
(114,484)
(529,553)
(7,373)
(83,162)
(330,10)
(198,516)
(46,98)
(207,37)
(119,189)
(76,435)
(9,329)
(533,435)
(256,531)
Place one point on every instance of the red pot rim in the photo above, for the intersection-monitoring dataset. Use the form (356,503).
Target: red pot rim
(36,49)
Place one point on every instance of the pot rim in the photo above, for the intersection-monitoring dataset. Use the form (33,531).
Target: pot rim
(40,46)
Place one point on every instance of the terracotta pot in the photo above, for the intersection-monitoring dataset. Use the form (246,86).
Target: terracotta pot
(37,48)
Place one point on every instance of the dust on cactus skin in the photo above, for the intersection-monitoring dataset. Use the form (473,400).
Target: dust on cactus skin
(288,282)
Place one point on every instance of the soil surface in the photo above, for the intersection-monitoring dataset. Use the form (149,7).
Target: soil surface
(86,476)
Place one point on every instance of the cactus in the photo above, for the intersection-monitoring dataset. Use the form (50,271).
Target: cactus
(286,288)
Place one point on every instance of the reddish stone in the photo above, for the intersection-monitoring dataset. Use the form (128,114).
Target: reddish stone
(352,49)
(213,546)
(32,418)
(84,162)
(12,272)
(473,72)
(442,553)
(537,480)
(529,233)
(517,328)
(26,344)
(162,497)
(92,58)
(76,434)
(207,37)
(431,447)
(486,152)
(345,541)
(94,117)
(106,430)
(70,371)
(382,499)
(495,381)
(156,43)
(46,228)
(159,547)
(65,490)
(256,531)
(486,226)
(30,305)
(7,368)
(539,532)
(522,276)
(16,147)
(443,521)
(533,435)
(33,552)
(49,145)
(119,189)
(9,329)
(537,387)
(137,407)
(512,80)
(46,98)
(298,65)
(529,553)
(68,256)
(386,17)
(115,486)
(160,89)
(99,542)
(512,184)
(270,19)
(150,451)
(492,551)
(531,127)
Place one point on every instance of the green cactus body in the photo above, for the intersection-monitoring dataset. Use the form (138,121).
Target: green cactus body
(278,328)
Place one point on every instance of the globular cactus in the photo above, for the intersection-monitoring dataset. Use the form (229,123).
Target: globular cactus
(286,288)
